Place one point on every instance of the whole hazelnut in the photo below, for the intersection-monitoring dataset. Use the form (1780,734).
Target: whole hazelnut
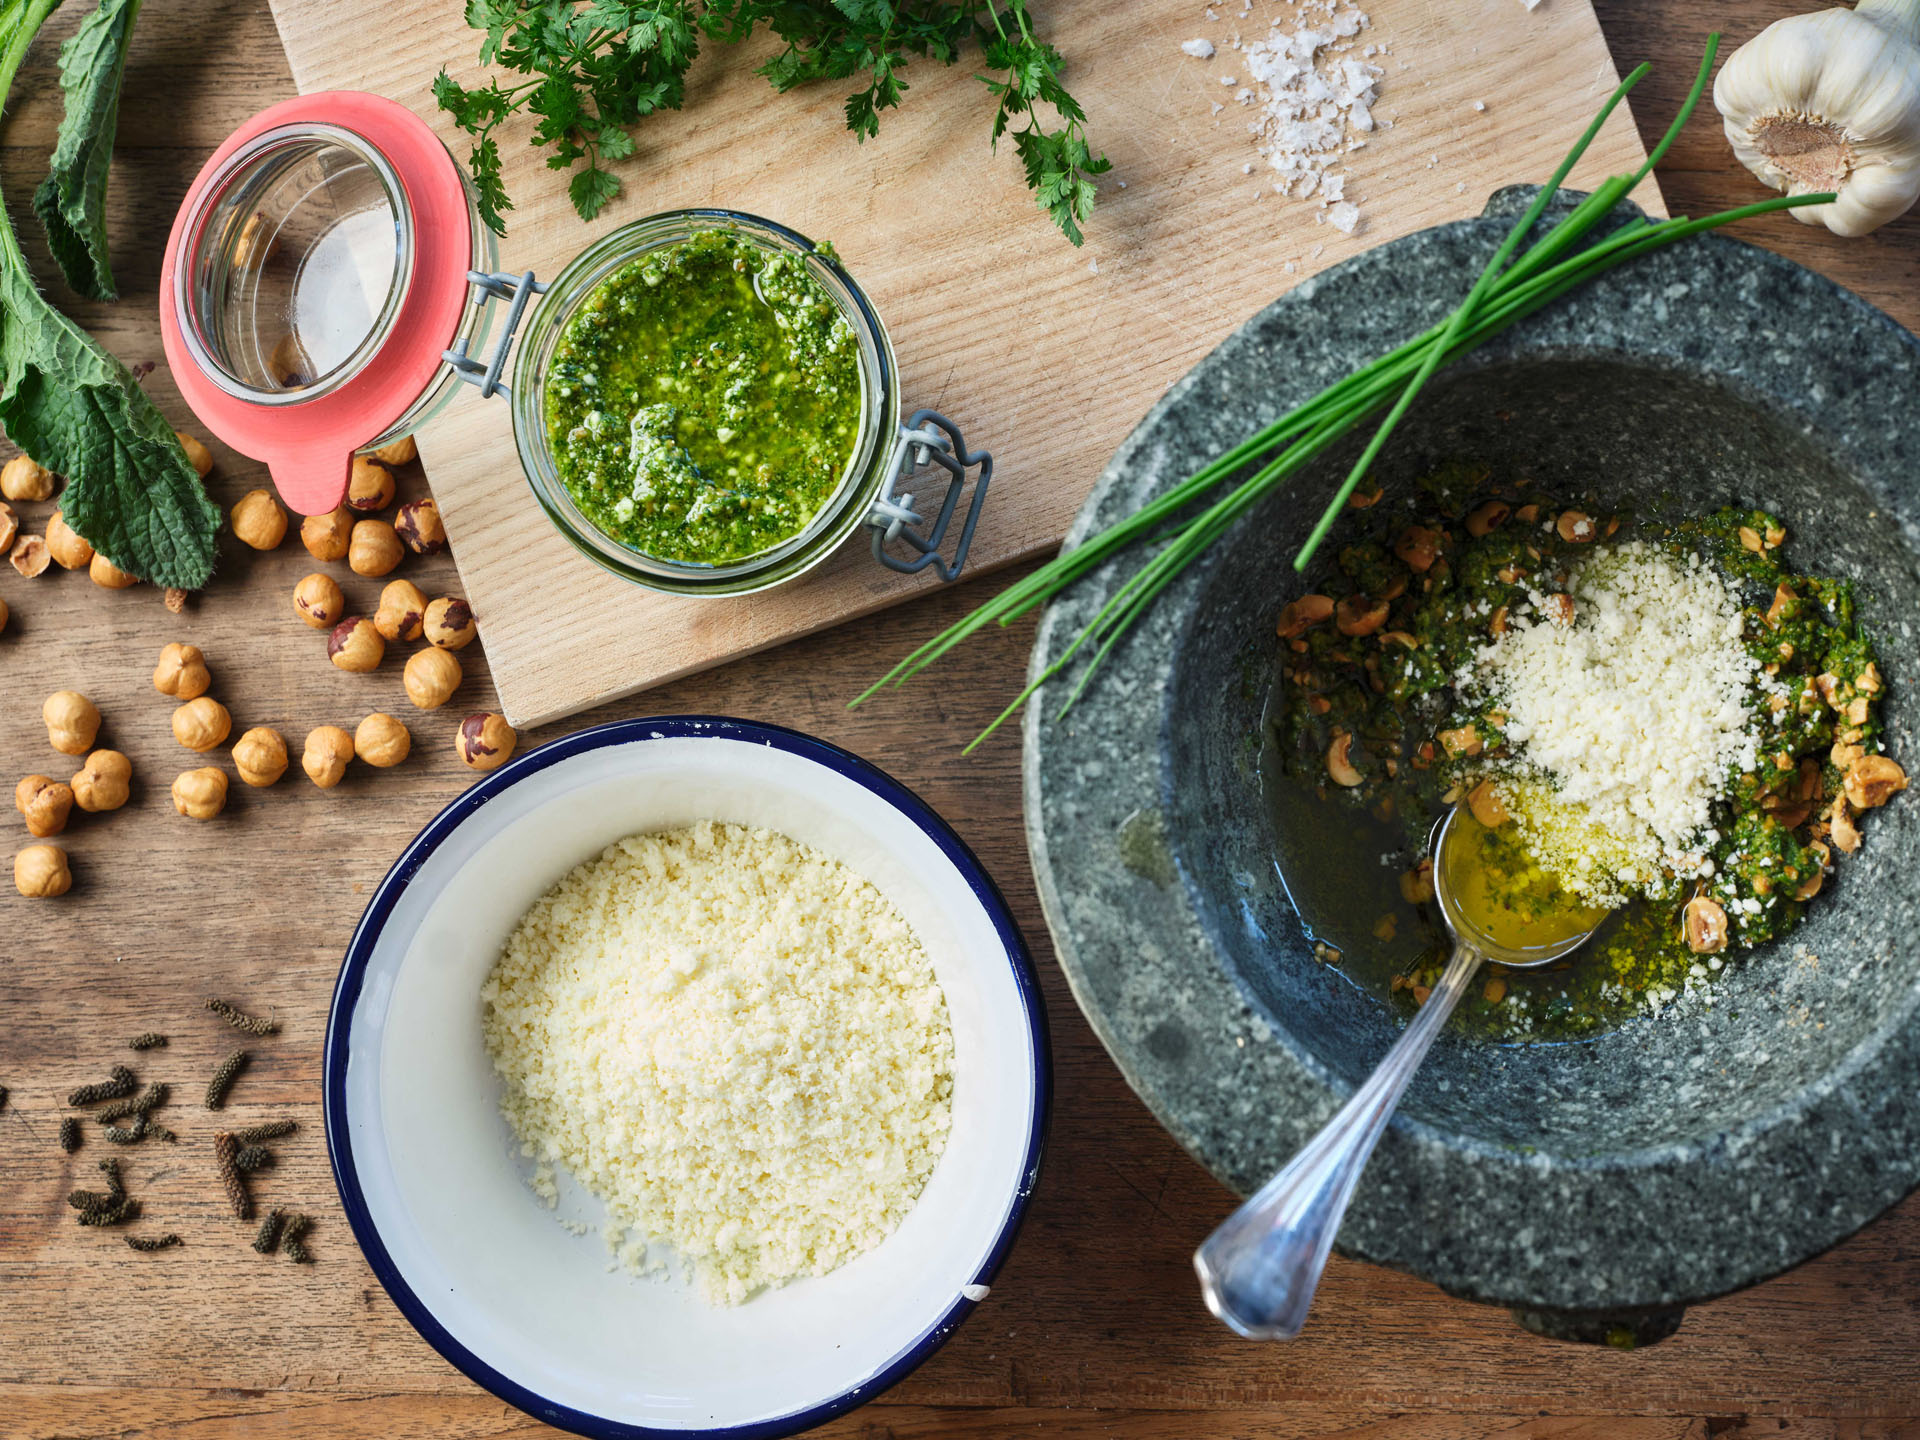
(318,601)
(40,872)
(107,575)
(45,802)
(369,486)
(68,550)
(400,452)
(329,748)
(431,677)
(200,794)
(72,721)
(374,548)
(29,556)
(202,724)
(355,645)
(260,756)
(258,520)
(381,740)
(418,524)
(402,609)
(327,536)
(102,782)
(485,741)
(198,455)
(22,478)
(182,672)
(9,526)
(5,614)
(448,623)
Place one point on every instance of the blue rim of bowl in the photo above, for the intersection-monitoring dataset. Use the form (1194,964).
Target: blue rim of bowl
(346,995)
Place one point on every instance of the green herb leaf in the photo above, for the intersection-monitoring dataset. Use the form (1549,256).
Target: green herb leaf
(71,201)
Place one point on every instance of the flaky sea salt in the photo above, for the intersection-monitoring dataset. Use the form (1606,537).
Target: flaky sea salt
(1313,99)
(1199,48)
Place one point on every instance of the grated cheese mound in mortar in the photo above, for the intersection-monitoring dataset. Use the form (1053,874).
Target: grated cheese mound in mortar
(735,1042)
(1636,715)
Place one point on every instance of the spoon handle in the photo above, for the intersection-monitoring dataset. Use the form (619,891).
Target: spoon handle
(1259,1269)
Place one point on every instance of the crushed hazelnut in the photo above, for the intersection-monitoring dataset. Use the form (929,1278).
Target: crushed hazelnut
(328,536)
(9,526)
(381,741)
(258,520)
(319,601)
(182,672)
(260,756)
(374,548)
(431,677)
(29,556)
(485,741)
(202,723)
(200,794)
(103,781)
(72,722)
(175,599)
(40,872)
(329,748)
(355,645)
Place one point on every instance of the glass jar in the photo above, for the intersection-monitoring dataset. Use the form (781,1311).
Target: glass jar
(328,283)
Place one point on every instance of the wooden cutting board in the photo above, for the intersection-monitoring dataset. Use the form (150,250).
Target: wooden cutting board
(1045,354)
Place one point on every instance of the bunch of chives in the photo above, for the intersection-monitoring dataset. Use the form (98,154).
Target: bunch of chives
(1508,290)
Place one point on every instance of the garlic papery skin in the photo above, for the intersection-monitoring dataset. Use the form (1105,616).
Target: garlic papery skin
(1831,101)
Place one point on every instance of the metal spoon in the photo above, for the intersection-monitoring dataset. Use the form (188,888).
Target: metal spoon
(1259,1269)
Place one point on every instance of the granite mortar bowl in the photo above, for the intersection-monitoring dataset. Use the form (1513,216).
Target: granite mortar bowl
(1595,1188)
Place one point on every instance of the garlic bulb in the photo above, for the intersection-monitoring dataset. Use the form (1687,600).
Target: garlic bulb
(1831,101)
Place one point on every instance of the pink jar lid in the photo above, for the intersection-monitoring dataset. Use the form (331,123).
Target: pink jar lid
(308,445)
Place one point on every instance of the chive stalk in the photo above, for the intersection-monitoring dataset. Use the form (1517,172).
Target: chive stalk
(1513,285)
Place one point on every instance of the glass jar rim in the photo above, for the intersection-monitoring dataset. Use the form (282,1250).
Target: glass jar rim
(836,516)
(218,186)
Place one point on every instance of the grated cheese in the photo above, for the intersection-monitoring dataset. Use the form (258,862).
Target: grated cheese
(1635,715)
(735,1042)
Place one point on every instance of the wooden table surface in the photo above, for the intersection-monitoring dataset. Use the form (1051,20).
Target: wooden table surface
(1094,1328)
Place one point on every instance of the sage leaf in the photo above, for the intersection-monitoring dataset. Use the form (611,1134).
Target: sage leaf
(71,201)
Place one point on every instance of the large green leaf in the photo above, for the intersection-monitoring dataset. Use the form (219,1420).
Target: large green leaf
(71,202)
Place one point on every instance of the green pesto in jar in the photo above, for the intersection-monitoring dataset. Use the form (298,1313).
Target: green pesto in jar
(703,402)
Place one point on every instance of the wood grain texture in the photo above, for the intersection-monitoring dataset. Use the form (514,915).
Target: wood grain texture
(1094,1328)
(982,297)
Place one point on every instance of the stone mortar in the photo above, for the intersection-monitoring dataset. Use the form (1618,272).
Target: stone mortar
(1599,1188)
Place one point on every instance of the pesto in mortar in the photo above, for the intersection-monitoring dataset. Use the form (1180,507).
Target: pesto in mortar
(703,401)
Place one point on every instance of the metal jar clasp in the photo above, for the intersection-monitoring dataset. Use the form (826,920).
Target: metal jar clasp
(518,291)
(928,438)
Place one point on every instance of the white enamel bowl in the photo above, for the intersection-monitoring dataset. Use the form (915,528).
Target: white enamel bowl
(433,1181)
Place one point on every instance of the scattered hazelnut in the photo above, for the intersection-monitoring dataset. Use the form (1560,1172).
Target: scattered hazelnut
(45,802)
(258,520)
(4,615)
(72,722)
(200,794)
(448,623)
(202,724)
(198,455)
(40,872)
(107,575)
(9,526)
(102,782)
(175,599)
(29,556)
(402,609)
(355,645)
(182,672)
(485,741)
(419,525)
(318,601)
(327,536)
(69,551)
(381,741)
(23,478)
(329,748)
(431,677)
(400,452)
(374,548)
(260,756)
(369,486)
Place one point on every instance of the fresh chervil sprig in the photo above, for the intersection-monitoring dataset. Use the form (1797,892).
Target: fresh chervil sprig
(1180,525)
(597,67)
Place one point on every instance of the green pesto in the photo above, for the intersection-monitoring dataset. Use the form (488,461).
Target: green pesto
(702,403)
(1392,692)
